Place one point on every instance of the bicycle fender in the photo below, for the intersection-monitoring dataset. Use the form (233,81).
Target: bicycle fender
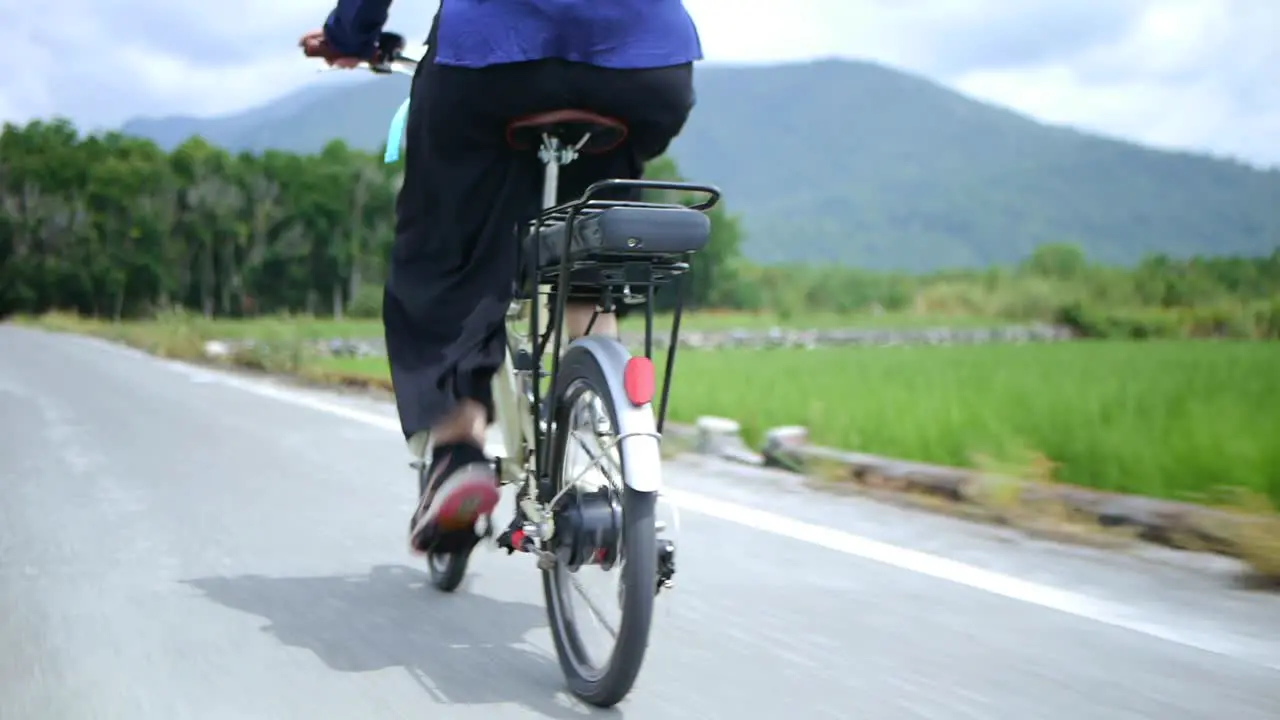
(395,133)
(641,452)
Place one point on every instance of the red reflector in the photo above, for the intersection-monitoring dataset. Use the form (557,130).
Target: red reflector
(638,380)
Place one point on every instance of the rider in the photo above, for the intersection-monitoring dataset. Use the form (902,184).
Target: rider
(465,191)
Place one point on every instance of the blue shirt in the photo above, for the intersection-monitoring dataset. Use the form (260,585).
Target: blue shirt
(624,34)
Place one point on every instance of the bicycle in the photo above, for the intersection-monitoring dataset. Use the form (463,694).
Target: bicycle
(626,250)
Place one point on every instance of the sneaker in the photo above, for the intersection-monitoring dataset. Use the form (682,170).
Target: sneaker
(461,487)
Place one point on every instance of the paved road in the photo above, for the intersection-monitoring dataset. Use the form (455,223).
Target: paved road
(178,543)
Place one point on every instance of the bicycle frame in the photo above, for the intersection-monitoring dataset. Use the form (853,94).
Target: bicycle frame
(525,441)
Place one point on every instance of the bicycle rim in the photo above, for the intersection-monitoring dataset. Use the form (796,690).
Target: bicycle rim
(598,675)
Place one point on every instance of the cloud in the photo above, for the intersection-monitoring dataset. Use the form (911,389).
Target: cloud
(1181,73)
(102,63)
(937,37)
(1190,73)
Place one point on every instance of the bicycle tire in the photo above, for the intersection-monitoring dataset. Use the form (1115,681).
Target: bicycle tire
(580,369)
(446,569)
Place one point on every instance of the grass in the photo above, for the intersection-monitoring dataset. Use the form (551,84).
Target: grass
(268,328)
(1180,420)
(1175,420)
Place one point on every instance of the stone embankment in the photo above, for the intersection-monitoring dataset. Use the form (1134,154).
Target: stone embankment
(1044,508)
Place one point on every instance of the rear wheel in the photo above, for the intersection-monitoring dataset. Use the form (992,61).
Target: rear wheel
(603,528)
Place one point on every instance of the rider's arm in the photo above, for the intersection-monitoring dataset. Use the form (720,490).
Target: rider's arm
(353,27)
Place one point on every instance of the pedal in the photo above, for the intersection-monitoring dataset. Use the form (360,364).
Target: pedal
(507,540)
(515,540)
(504,542)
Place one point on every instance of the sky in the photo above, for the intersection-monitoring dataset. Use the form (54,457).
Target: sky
(1201,75)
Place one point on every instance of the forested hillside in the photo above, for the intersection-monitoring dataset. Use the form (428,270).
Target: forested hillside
(852,162)
(113,226)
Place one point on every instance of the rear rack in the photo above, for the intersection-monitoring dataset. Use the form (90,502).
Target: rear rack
(616,267)
(615,274)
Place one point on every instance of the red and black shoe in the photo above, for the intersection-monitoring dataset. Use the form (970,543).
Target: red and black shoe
(461,487)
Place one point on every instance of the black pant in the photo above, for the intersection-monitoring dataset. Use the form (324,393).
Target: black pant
(465,191)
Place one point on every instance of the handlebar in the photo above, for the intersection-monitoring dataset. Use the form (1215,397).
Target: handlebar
(404,62)
(391,57)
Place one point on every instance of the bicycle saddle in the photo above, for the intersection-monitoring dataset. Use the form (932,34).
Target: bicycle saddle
(569,126)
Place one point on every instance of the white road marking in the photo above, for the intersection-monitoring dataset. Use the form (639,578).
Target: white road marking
(935,566)
(941,568)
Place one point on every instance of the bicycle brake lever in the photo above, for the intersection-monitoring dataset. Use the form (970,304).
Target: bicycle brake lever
(389,46)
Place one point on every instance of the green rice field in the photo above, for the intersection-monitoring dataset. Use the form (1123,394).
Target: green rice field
(1183,420)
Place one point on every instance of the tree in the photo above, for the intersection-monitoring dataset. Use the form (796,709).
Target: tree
(1057,261)
(714,272)
(112,226)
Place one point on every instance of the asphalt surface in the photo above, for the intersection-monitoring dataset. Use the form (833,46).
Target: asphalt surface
(182,543)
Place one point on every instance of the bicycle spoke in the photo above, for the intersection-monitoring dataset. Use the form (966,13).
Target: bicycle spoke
(596,459)
(593,464)
(595,611)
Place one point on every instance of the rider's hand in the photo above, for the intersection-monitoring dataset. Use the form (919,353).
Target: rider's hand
(313,44)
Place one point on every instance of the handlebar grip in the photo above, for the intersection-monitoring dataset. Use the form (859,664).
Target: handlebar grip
(389,46)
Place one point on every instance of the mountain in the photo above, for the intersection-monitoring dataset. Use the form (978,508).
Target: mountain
(853,162)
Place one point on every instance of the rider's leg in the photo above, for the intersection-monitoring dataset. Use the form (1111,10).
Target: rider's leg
(449,286)
(577,318)
(466,423)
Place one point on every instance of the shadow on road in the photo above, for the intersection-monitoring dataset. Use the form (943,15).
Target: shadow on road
(463,649)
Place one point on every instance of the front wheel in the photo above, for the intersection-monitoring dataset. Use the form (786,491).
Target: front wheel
(447,567)
(603,528)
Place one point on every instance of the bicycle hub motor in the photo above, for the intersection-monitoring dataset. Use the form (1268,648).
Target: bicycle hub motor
(588,529)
